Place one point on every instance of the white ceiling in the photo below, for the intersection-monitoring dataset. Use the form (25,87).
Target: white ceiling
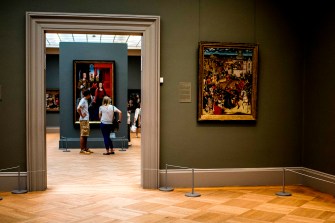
(53,39)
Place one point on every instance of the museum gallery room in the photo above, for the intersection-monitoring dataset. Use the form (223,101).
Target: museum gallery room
(222,108)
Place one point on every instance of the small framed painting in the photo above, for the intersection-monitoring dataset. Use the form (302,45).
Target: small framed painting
(52,100)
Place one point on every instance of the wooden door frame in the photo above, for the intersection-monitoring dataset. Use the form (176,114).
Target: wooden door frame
(37,24)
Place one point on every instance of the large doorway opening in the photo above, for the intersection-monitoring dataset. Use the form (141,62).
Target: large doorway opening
(40,23)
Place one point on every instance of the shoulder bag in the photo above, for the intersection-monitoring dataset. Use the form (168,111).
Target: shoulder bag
(115,123)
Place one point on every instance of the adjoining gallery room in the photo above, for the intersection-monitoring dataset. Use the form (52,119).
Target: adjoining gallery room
(167,111)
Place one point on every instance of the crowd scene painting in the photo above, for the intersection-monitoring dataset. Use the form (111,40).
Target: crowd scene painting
(227,82)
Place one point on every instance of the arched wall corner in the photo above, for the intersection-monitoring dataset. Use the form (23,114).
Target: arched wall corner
(37,24)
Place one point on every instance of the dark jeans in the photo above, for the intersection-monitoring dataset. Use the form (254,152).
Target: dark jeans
(106,129)
(128,132)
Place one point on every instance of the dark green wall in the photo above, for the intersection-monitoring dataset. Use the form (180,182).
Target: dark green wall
(52,80)
(275,139)
(68,52)
(319,105)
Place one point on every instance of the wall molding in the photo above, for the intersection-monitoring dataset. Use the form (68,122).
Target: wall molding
(220,178)
(37,24)
(9,181)
(52,129)
(181,178)
(229,177)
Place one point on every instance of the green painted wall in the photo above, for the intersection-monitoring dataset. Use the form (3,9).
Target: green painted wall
(319,85)
(275,139)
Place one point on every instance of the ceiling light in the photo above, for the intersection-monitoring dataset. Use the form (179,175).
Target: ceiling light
(52,39)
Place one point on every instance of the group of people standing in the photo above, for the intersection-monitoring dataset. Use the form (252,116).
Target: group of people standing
(106,115)
(97,90)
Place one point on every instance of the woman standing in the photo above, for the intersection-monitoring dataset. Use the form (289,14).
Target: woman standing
(106,115)
(137,118)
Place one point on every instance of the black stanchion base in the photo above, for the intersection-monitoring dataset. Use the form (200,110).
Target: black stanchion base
(66,151)
(1,198)
(166,189)
(192,195)
(19,191)
(282,193)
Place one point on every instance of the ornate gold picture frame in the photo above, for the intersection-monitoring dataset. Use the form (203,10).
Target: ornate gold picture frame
(96,76)
(227,88)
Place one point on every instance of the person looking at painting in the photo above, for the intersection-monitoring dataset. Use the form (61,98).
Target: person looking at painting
(137,118)
(106,115)
(137,100)
(82,109)
(128,124)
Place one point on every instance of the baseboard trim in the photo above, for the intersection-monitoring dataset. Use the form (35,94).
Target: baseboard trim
(72,143)
(318,180)
(52,129)
(228,177)
(9,181)
(182,178)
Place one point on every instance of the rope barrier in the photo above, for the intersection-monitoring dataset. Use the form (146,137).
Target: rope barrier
(181,167)
(64,138)
(166,188)
(15,167)
(19,190)
(316,178)
(281,193)
(284,193)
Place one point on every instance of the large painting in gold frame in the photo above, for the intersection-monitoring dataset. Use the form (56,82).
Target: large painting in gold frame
(96,76)
(227,88)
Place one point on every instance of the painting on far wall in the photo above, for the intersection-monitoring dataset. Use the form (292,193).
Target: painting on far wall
(96,76)
(227,81)
(52,100)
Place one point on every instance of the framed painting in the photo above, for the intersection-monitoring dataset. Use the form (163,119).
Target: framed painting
(227,81)
(96,76)
(52,100)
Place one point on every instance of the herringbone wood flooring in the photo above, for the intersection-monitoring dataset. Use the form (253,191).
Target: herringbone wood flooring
(98,188)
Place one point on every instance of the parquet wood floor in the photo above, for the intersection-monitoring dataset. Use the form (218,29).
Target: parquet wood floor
(97,188)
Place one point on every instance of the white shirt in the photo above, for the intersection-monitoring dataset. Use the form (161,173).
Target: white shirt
(137,113)
(128,117)
(83,105)
(107,113)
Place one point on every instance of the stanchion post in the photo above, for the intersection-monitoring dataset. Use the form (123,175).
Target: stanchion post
(192,194)
(64,138)
(166,188)
(122,139)
(19,191)
(283,192)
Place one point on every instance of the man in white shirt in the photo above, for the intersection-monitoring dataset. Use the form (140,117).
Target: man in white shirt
(84,120)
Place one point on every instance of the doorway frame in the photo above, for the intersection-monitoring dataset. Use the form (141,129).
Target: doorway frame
(37,24)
